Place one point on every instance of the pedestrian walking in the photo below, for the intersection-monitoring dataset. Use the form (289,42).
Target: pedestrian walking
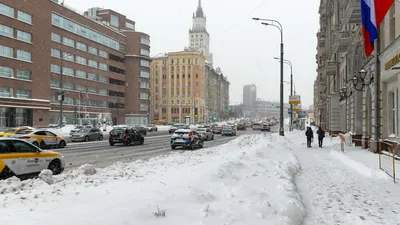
(310,136)
(321,135)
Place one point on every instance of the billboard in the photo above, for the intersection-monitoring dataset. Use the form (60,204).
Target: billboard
(294,100)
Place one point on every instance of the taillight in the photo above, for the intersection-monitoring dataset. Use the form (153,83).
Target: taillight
(124,134)
(204,133)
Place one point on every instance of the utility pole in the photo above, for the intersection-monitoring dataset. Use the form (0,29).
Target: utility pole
(61,95)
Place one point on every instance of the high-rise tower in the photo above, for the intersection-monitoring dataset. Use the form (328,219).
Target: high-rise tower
(199,38)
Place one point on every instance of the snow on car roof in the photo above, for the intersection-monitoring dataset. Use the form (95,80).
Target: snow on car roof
(183,130)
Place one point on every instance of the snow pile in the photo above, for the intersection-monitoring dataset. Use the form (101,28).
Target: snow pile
(247,181)
(47,176)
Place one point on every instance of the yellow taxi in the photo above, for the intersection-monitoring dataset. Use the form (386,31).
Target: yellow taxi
(12,131)
(19,158)
(41,138)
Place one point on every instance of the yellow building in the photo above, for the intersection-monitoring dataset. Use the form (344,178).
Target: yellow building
(178,84)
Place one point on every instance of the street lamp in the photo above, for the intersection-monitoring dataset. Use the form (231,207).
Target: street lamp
(288,62)
(344,93)
(361,80)
(278,25)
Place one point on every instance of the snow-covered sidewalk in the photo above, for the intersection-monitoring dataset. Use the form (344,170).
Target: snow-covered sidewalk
(338,189)
(247,181)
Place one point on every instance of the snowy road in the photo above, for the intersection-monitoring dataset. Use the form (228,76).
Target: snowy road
(101,154)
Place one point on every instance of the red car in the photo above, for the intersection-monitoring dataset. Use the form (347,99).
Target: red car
(217,130)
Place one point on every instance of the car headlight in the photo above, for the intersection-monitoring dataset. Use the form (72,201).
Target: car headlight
(81,135)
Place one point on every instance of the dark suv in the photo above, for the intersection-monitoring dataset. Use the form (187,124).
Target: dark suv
(125,135)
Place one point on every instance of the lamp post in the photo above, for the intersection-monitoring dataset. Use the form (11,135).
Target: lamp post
(61,95)
(360,80)
(291,88)
(278,25)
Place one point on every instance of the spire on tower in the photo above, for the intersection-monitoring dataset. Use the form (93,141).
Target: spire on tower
(199,11)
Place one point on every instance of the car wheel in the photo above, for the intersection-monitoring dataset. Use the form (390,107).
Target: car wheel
(87,138)
(62,144)
(42,145)
(127,142)
(35,143)
(111,143)
(100,137)
(212,138)
(141,142)
(55,166)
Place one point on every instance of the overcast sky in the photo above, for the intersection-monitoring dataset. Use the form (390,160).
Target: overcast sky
(243,48)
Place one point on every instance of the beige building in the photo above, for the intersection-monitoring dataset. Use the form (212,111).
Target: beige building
(178,87)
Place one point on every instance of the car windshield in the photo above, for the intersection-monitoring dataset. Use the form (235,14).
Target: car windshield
(201,130)
(117,131)
(23,132)
(84,130)
(78,127)
(12,130)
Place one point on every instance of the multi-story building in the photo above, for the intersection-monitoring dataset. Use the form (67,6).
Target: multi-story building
(199,38)
(96,60)
(178,84)
(217,94)
(249,99)
(270,109)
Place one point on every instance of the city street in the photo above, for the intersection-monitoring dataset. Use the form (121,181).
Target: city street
(101,154)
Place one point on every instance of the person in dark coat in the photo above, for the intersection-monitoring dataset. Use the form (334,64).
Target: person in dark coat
(321,135)
(310,136)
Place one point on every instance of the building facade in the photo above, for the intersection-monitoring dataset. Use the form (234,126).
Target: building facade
(249,99)
(96,60)
(178,84)
(199,38)
(217,95)
(265,109)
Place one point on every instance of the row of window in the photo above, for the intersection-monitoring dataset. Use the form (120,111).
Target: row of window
(6,92)
(10,12)
(21,54)
(85,32)
(78,59)
(80,102)
(9,32)
(176,110)
(19,74)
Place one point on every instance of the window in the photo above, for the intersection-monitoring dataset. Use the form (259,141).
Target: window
(23,93)
(144,96)
(24,17)
(6,51)
(6,10)
(80,60)
(92,76)
(55,68)
(55,84)
(55,37)
(23,55)
(145,41)
(68,42)
(103,92)
(81,46)
(80,87)
(6,72)
(144,107)
(68,86)
(144,84)
(92,50)
(68,101)
(145,52)
(85,32)
(23,147)
(144,63)
(92,63)
(68,57)
(6,31)
(80,74)
(55,53)
(114,21)
(144,74)
(92,90)
(24,74)
(6,92)
(103,54)
(103,79)
(197,76)
(103,66)
(197,84)
(130,25)
(68,71)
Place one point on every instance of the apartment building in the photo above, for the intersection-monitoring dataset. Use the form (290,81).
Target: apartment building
(178,86)
(270,109)
(249,99)
(217,94)
(96,60)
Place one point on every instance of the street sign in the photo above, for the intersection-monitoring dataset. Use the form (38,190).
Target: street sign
(296,108)
(294,100)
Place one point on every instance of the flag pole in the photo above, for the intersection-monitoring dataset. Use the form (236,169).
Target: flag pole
(377,91)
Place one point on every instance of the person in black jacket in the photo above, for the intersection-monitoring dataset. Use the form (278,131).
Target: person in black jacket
(321,135)
(310,136)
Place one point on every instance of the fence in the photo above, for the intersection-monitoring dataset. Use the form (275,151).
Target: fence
(387,162)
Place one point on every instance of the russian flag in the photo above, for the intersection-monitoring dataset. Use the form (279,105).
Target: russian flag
(372,13)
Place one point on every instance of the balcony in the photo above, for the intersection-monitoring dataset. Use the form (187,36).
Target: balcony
(330,67)
(352,13)
(343,41)
(321,36)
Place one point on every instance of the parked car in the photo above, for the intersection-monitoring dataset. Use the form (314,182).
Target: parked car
(34,159)
(241,126)
(257,126)
(151,127)
(217,130)
(41,138)
(206,134)
(186,138)
(176,127)
(141,129)
(228,130)
(77,128)
(266,127)
(87,134)
(125,135)
(12,131)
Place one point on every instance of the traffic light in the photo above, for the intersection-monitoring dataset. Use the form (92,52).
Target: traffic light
(230,108)
(215,118)
(273,106)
